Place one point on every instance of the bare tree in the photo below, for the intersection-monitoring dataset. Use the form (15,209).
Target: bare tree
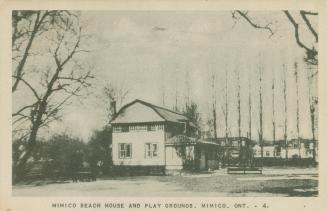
(310,50)
(297,108)
(63,79)
(273,112)
(250,111)
(114,97)
(239,103)
(225,113)
(285,111)
(214,105)
(187,88)
(163,94)
(225,108)
(260,112)
(27,25)
(313,107)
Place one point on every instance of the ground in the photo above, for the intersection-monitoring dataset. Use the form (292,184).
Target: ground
(273,182)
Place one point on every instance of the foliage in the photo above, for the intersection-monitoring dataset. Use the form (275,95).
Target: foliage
(191,111)
(99,151)
(65,154)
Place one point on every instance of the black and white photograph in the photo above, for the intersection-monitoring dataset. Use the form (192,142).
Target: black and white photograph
(164,103)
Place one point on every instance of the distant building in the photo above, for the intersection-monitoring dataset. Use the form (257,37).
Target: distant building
(236,150)
(146,136)
(302,148)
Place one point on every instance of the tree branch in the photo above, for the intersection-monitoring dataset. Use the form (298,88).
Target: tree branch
(311,52)
(296,30)
(21,64)
(29,86)
(23,108)
(248,19)
(306,20)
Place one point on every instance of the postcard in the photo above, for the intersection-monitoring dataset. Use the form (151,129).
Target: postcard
(193,105)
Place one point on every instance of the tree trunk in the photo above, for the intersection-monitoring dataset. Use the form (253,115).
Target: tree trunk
(260,113)
(297,109)
(285,113)
(273,114)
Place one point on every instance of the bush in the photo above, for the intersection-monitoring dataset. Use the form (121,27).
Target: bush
(99,151)
(64,154)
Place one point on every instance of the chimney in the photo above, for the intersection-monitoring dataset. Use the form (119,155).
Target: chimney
(113,106)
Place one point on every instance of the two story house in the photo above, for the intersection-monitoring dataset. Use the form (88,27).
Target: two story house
(152,138)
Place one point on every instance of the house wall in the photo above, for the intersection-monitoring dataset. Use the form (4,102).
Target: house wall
(304,153)
(138,139)
(268,151)
(173,158)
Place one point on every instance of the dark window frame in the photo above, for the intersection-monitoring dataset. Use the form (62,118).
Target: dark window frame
(124,150)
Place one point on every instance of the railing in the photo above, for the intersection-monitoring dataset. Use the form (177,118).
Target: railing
(181,139)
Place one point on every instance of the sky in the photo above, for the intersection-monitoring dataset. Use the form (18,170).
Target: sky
(159,56)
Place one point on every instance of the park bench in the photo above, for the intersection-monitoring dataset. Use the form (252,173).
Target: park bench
(244,170)
(84,176)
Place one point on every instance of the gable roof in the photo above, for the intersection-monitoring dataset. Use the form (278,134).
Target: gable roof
(164,113)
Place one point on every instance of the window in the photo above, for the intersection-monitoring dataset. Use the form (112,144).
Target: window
(125,128)
(235,144)
(117,129)
(160,127)
(138,128)
(125,150)
(277,153)
(151,150)
(151,127)
(267,153)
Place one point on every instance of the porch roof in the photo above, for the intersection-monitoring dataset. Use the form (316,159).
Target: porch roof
(182,139)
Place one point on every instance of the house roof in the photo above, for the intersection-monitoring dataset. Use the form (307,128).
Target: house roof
(165,113)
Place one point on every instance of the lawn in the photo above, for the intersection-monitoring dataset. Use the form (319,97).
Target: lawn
(273,182)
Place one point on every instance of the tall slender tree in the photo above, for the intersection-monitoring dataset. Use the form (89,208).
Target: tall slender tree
(273,111)
(239,103)
(225,112)
(313,103)
(285,111)
(250,152)
(250,111)
(260,112)
(297,107)
(214,105)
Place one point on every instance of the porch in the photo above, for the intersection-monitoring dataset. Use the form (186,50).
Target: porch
(191,154)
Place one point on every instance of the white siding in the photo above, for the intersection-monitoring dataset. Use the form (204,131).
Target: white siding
(138,139)
(173,159)
(268,151)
